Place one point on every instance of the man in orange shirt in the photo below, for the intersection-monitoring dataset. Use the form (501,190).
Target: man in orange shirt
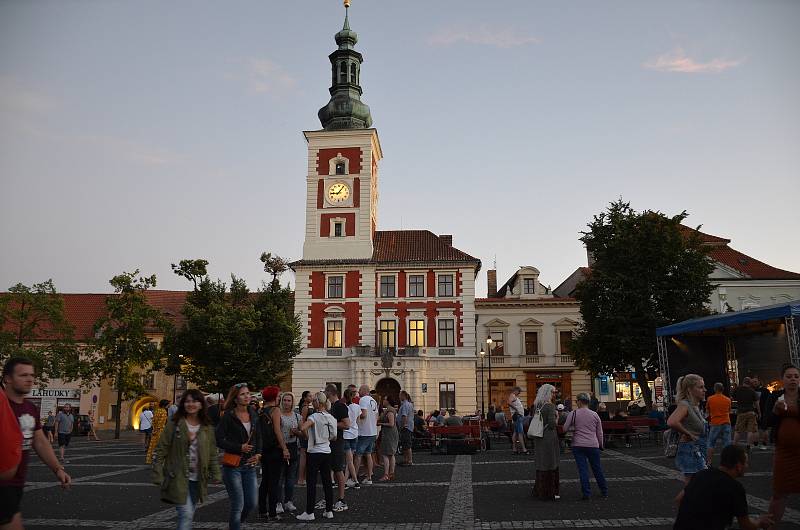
(719,416)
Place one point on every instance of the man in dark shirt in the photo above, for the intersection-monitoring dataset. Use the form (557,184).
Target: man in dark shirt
(18,377)
(747,412)
(340,413)
(714,496)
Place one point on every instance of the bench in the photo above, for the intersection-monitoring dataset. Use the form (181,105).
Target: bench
(453,439)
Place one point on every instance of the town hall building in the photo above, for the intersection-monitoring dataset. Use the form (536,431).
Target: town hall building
(392,309)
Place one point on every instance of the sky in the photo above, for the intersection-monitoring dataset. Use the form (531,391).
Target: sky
(134,134)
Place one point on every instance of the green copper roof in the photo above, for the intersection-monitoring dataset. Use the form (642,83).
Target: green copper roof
(345,110)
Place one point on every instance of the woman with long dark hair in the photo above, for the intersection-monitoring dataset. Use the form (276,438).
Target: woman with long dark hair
(239,436)
(304,407)
(186,458)
(786,467)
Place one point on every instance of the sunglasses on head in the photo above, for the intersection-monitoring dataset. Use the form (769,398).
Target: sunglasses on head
(239,385)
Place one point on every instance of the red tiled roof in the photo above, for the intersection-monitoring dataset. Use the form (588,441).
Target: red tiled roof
(83,310)
(750,267)
(415,245)
(705,238)
(555,299)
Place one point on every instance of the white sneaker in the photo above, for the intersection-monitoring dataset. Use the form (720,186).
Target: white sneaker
(320,505)
(305,517)
(366,482)
(289,506)
(328,515)
(279,508)
(340,506)
(350,483)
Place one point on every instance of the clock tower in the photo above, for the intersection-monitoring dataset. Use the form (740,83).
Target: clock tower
(342,182)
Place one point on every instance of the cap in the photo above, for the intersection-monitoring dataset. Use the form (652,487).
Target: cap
(560,406)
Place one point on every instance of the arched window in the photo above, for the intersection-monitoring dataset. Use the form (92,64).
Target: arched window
(353,80)
(343,72)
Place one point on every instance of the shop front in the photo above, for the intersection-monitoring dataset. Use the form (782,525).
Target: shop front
(52,399)
(561,379)
(622,388)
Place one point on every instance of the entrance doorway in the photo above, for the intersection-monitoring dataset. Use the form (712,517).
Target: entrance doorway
(388,387)
(499,390)
(561,380)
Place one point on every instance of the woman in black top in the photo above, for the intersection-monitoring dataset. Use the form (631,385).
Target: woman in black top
(238,433)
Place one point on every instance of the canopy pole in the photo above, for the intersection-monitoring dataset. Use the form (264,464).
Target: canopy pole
(793,340)
(663,366)
(733,365)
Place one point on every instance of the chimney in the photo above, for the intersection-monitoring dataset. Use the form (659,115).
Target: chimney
(491,283)
(447,239)
(589,258)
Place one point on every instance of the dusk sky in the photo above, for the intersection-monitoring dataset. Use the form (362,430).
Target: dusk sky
(137,133)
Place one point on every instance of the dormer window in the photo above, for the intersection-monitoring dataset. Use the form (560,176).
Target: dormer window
(340,169)
(529,286)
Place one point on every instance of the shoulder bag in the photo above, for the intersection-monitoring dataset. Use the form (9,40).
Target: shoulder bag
(536,428)
(232,459)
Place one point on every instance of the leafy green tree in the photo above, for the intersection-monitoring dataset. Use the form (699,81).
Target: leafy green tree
(231,335)
(274,266)
(648,272)
(122,348)
(33,325)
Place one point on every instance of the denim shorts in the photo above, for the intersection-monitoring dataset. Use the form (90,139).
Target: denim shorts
(350,445)
(691,457)
(519,424)
(720,432)
(366,445)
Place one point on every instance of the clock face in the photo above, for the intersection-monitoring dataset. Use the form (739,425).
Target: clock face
(338,192)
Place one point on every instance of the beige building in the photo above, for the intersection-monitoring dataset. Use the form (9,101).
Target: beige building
(530,330)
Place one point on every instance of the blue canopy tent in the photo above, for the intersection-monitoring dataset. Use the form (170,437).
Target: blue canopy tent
(720,347)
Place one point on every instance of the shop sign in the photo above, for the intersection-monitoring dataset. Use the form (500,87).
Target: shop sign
(63,393)
(622,376)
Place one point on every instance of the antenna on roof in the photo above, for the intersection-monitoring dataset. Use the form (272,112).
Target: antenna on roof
(401,222)
(495,262)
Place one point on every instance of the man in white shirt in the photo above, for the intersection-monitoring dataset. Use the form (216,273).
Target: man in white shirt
(146,425)
(367,431)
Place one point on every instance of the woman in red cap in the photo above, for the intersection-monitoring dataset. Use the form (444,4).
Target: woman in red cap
(274,453)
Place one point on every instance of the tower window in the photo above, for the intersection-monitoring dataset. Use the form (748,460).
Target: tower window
(338,230)
(343,72)
(353,74)
(340,169)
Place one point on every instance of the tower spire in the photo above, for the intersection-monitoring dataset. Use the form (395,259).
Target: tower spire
(345,110)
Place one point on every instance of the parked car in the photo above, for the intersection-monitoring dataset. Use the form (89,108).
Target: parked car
(82,424)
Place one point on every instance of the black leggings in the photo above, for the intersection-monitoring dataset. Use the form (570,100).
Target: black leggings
(318,463)
(271,465)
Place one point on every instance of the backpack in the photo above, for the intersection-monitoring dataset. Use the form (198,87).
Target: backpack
(536,428)
(268,439)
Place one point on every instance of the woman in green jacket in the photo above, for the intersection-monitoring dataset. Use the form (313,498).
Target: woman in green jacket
(186,458)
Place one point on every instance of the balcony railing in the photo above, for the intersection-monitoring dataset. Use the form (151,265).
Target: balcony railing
(532,359)
(565,359)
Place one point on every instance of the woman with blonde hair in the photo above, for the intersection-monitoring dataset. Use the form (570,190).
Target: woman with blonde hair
(688,420)
(546,449)
(320,427)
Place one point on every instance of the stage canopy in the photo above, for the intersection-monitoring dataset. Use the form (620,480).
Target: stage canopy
(729,346)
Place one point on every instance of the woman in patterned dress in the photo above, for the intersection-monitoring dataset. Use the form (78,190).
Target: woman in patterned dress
(159,420)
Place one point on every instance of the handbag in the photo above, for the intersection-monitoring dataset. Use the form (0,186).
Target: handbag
(671,440)
(232,459)
(536,428)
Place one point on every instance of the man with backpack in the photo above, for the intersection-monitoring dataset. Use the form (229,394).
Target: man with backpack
(274,454)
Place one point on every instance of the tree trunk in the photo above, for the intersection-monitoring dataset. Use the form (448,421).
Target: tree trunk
(119,405)
(641,379)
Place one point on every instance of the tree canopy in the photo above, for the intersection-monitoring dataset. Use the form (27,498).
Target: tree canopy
(647,272)
(33,325)
(122,349)
(231,335)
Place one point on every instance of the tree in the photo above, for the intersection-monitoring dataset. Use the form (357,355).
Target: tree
(648,272)
(192,269)
(122,347)
(231,335)
(33,325)
(274,266)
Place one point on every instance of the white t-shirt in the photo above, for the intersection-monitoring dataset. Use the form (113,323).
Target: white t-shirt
(193,430)
(353,411)
(369,425)
(146,420)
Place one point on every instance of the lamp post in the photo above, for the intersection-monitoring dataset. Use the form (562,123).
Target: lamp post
(483,409)
(489,342)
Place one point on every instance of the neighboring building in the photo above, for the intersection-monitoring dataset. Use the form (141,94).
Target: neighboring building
(392,309)
(82,311)
(740,282)
(530,330)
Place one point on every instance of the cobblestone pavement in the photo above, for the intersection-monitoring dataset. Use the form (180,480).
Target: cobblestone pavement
(490,490)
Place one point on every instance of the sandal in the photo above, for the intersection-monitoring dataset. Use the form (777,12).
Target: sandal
(385,478)
(391,476)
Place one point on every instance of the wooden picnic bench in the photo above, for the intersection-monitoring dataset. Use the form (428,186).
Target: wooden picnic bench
(467,438)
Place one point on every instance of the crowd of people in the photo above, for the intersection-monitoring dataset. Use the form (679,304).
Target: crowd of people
(341,440)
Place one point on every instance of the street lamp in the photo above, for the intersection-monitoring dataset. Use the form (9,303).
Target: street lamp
(489,342)
(483,409)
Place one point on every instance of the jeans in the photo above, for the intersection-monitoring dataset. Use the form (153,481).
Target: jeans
(241,483)
(289,475)
(271,464)
(186,511)
(590,456)
(318,463)
(720,432)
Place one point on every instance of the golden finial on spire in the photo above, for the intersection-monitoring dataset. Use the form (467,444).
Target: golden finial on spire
(346,3)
